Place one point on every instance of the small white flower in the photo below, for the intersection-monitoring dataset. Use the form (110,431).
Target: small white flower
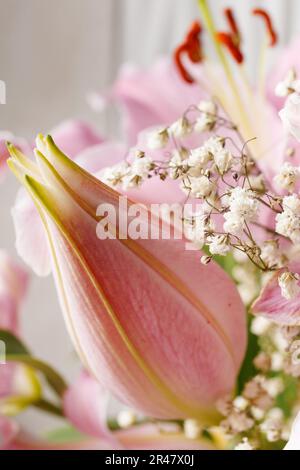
(198,160)
(113,176)
(289,285)
(219,245)
(233,223)
(271,429)
(223,160)
(260,326)
(287,177)
(192,428)
(126,418)
(207,107)
(274,386)
(198,187)
(270,253)
(158,139)
(204,123)
(214,145)
(138,172)
(178,165)
(277,361)
(242,203)
(240,403)
(244,445)
(291,204)
(287,86)
(180,128)
(205,260)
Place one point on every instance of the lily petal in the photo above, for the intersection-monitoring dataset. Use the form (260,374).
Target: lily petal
(166,332)
(85,404)
(271,304)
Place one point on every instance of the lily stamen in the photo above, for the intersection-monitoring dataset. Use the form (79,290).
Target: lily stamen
(269,25)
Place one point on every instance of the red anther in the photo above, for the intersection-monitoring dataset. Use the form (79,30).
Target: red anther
(227,40)
(233,25)
(191,46)
(180,67)
(269,25)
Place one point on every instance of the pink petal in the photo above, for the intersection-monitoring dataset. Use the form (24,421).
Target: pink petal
(271,304)
(96,158)
(154,96)
(85,405)
(75,136)
(8,430)
(31,241)
(166,331)
(289,59)
(13,278)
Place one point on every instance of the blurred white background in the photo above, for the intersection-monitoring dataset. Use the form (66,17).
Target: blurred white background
(52,53)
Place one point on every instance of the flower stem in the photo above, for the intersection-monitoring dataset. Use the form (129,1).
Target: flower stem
(49,407)
(208,20)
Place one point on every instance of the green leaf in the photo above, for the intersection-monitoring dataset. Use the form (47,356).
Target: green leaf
(12,344)
(287,399)
(16,351)
(64,434)
(53,378)
(248,370)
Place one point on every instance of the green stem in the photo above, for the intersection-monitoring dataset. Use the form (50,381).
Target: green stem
(53,378)
(208,20)
(49,407)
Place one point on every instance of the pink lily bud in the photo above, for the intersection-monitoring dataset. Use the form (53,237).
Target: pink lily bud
(162,332)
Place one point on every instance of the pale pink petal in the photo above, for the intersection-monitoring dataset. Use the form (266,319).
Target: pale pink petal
(9,315)
(8,431)
(271,304)
(85,404)
(75,136)
(287,60)
(31,241)
(294,440)
(13,278)
(154,96)
(175,328)
(96,158)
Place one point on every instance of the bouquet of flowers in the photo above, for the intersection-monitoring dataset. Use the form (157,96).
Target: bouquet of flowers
(175,254)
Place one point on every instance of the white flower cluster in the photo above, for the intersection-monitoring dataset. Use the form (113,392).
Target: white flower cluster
(288,221)
(289,285)
(287,177)
(242,207)
(128,175)
(183,127)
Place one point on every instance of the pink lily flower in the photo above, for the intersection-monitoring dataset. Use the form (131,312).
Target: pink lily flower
(166,331)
